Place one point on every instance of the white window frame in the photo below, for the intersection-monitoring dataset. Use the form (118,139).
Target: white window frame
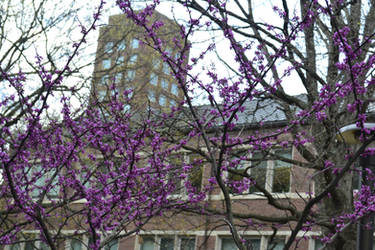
(85,243)
(263,240)
(157,240)
(270,171)
(183,192)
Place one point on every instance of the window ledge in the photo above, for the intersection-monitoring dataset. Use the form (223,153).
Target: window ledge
(260,196)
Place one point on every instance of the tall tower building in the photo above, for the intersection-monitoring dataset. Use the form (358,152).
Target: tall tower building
(131,69)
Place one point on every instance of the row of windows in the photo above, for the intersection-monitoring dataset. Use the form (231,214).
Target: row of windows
(121,46)
(154,79)
(107,63)
(162,99)
(274,176)
(170,242)
(130,75)
(74,244)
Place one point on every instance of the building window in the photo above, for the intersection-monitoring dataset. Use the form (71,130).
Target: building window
(151,96)
(277,244)
(281,173)
(118,77)
(168,51)
(156,63)
(121,46)
(174,89)
(172,102)
(75,244)
(128,92)
(153,79)
(126,108)
(106,63)
(104,80)
(177,56)
(135,43)
(164,84)
(168,242)
(319,245)
(42,177)
(133,59)
(193,180)
(165,68)
(101,95)
(108,47)
(162,100)
(130,75)
(113,245)
(120,60)
(274,176)
(229,244)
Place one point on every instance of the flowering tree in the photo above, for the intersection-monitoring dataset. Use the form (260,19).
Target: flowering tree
(325,47)
(101,175)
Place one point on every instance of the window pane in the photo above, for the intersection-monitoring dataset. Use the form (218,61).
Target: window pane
(108,47)
(106,63)
(228,244)
(133,59)
(101,95)
(104,80)
(187,244)
(281,176)
(162,100)
(29,246)
(172,102)
(148,243)
(166,244)
(154,79)
(175,163)
(122,45)
(75,244)
(15,247)
(276,245)
(151,96)
(319,245)
(120,60)
(165,68)
(130,75)
(174,89)
(113,245)
(44,246)
(135,43)
(164,84)
(156,63)
(254,243)
(258,171)
(118,77)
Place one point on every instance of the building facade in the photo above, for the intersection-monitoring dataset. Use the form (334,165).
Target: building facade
(129,67)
